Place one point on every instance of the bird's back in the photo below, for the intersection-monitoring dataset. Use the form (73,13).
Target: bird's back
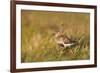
(64,40)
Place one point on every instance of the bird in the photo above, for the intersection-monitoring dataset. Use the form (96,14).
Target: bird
(63,40)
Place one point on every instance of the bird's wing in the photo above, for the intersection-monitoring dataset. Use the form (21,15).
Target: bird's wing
(66,40)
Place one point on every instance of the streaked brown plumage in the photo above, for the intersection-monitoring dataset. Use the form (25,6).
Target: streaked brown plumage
(63,40)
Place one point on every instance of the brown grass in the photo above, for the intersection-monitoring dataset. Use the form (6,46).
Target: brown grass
(38,27)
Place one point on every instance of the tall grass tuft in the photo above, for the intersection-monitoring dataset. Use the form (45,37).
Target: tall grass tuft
(37,40)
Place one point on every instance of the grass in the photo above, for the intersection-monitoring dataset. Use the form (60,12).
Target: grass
(38,44)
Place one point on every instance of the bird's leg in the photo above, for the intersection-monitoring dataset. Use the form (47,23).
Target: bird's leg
(57,48)
(61,52)
(71,51)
